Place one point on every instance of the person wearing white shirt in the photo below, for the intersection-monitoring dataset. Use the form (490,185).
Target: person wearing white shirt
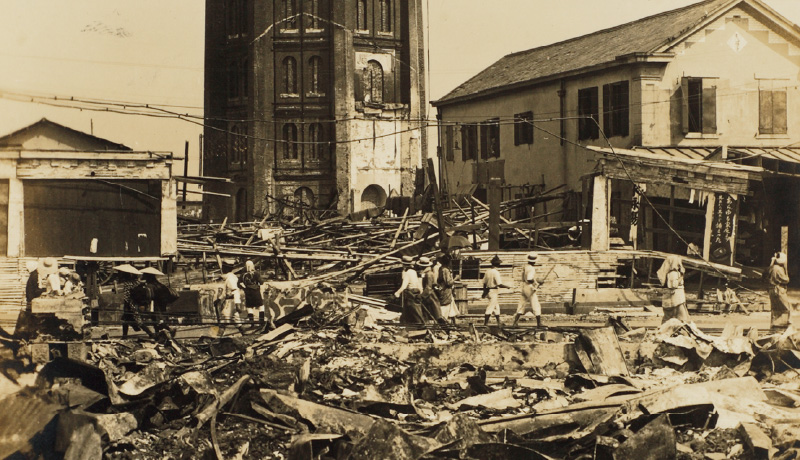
(410,290)
(492,282)
(529,301)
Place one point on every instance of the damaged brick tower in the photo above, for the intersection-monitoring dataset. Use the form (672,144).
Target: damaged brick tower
(312,102)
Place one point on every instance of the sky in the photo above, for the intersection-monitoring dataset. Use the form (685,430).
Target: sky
(151,52)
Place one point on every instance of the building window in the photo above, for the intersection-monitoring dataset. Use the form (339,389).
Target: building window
(523,128)
(772,112)
(490,139)
(234,80)
(373,82)
(289,75)
(237,144)
(469,142)
(243,143)
(361,14)
(290,142)
(588,106)
(386,15)
(315,15)
(315,142)
(616,109)
(450,144)
(289,14)
(315,67)
(245,72)
(699,105)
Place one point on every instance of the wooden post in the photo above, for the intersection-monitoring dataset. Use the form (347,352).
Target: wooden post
(185,171)
(494,214)
(438,202)
(600,214)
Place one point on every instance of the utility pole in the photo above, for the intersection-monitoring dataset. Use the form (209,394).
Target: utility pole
(185,170)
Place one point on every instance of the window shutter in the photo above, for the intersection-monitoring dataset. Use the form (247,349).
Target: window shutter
(779,123)
(623,109)
(448,145)
(709,107)
(517,129)
(484,141)
(464,143)
(607,110)
(685,105)
(529,127)
(765,112)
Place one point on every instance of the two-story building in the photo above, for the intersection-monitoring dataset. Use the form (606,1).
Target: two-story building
(713,82)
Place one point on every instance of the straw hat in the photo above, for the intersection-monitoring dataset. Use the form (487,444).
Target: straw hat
(127,268)
(424,262)
(408,260)
(31,265)
(532,256)
(151,271)
(496,261)
(64,271)
(47,266)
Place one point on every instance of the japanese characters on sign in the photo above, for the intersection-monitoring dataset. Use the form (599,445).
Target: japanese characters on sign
(722,228)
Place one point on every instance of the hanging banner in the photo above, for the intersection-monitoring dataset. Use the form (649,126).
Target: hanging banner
(723,228)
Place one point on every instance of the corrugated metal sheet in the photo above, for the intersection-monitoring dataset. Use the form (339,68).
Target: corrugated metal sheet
(788,154)
(21,418)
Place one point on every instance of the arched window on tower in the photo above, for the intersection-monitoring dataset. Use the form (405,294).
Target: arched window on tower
(361,14)
(290,141)
(315,148)
(386,15)
(373,82)
(315,69)
(289,75)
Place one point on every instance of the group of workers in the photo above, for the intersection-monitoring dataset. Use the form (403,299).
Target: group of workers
(427,291)
(674,300)
(144,298)
(46,278)
(249,284)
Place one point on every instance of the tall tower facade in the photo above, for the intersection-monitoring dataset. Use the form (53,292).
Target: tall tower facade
(312,103)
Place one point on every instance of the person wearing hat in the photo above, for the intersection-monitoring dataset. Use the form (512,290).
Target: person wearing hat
(127,285)
(232,291)
(32,287)
(250,282)
(492,282)
(410,290)
(528,300)
(781,308)
(430,302)
(48,276)
(444,289)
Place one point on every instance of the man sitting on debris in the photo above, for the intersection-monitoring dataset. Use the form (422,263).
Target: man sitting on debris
(410,290)
(781,308)
(492,282)
(430,302)
(674,300)
(730,301)
(529,301)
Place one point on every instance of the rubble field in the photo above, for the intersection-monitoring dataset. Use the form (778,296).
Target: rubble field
(348,383)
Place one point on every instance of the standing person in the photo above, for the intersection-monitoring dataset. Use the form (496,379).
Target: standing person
(232,292)
(127,283)
(250,282)
(674,300)
(492,282)
(529,300)
(780,306)
(32,289)
(430,302)
(444,289)
(410,289)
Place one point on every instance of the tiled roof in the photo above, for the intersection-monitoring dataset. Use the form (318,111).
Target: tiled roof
(642,36)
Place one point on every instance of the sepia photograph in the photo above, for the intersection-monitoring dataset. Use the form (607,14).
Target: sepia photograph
(400,229)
